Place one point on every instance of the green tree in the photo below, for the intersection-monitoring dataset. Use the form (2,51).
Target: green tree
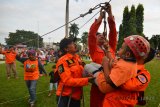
(74,31)
(132,21)
(84,39)
(155,42)
(139,19)
(78,40)
(121,36)
(125,22)
(124,27)
(24,37)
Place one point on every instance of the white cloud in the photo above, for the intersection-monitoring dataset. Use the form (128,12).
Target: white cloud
(49,14)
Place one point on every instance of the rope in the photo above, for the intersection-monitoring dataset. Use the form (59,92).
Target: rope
(89,20)
(105,28)
(81,15)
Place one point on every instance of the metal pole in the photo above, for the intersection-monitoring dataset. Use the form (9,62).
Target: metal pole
(67,18)
(38,36)
(49,42)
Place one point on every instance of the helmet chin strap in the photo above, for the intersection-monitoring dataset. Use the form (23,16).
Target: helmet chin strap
(128,59)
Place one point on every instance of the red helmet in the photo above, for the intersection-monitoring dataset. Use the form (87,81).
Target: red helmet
(139,46)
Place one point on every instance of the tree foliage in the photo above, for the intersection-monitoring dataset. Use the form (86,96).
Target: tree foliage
(84,40)
(121,36)
(155,42)
(74,31)
(132,23)
(28,38)
(125,22)
(139,19)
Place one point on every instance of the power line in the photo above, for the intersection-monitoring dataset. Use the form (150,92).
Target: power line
(81,15)
(54,29)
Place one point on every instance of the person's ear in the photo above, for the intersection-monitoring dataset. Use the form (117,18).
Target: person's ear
(127,54)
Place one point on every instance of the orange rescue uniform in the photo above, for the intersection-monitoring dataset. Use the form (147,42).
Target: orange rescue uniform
(10,56)
(140,83)
(96,53)
(70,72)
(31,70)
(121,72)
(127,94)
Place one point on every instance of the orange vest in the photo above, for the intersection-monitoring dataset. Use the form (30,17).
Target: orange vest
(31,70)
(70,72)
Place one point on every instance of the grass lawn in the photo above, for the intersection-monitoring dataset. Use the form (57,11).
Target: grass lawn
(13,92)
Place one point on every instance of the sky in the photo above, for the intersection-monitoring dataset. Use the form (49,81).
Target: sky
(42,16)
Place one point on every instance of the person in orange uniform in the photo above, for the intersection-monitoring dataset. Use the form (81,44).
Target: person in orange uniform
(69,68)
(131,93)
(96,51)
(31,73)
(122,71)
(136,85)
(139,83)
(10,57)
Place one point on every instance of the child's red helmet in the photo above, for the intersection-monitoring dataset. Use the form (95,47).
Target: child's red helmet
(139,45)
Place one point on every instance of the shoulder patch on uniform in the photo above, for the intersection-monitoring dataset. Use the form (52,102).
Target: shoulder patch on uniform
(70,61)
(61,68)
(142,79)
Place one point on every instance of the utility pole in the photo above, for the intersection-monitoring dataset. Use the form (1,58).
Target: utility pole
(49,42)
(157,37)
(38,35)
(67,18)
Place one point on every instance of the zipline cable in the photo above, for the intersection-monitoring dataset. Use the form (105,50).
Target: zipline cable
(89,20)
(81,15)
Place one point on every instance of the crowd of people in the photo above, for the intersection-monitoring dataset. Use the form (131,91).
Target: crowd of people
(117,81)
